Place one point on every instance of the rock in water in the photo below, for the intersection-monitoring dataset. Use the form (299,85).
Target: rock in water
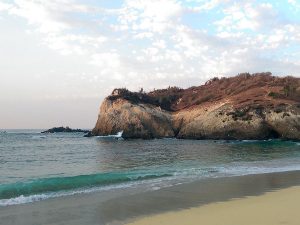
(257,106)
(64,130)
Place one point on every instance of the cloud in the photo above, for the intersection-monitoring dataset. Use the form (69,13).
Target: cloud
(41,14)
(248,16)
(294,3)
(150,16)
(4,6)
(142,42)
(106,60)
(205,5)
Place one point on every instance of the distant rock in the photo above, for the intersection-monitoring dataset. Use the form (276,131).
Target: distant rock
(88,134)
(64,130)
(257,106)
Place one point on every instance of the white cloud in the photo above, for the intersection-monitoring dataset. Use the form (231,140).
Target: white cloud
(4,6)
(205,5)
(74,44)
(141,41)
(160,44)
(295,4)
(156,10)
(40,14)
(151,16)
(51,19)
(143,35)
(106,60)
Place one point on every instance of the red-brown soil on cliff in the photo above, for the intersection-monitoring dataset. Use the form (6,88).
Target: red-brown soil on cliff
(243,90)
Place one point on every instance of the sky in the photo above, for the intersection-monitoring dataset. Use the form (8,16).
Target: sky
(60,58)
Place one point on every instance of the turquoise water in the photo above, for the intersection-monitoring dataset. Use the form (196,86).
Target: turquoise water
(35,166)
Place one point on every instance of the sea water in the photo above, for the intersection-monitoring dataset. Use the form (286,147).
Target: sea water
(35,166)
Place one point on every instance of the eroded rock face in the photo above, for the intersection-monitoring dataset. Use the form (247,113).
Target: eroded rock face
(253,113)
(286,124)
(146,121)
(135,120)
(219,124)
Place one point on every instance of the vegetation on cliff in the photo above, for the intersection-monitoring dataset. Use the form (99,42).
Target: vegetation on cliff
(244,89)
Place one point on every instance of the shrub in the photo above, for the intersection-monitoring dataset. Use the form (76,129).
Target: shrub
(274,94)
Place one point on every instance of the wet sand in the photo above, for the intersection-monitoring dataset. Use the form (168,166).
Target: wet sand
(122,206)
(273,208)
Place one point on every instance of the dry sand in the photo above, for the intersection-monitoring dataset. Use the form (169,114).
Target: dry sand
(273,208)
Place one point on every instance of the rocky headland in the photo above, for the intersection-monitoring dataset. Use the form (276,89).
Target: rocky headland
(247,106)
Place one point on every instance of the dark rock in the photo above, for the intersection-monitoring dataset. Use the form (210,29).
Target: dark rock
(89,134)
(64,130)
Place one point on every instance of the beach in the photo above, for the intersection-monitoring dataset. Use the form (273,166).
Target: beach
(272,208)
(130,205)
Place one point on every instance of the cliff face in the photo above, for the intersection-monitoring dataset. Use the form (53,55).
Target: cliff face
(135,120)
(257,106)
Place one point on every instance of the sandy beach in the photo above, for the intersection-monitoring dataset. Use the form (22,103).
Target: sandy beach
(273,208)
(166,205)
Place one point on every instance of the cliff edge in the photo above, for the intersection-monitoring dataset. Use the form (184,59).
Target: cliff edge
(257,106)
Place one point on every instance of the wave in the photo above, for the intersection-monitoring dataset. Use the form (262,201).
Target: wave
(39,197)
(277,142)
(113,136)
(38,137)
(56,184)
(41,189)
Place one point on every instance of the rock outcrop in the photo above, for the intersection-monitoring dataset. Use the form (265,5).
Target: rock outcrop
(64,130)
(257,106)
(135,120)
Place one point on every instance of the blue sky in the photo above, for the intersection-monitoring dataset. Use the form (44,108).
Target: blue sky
(60,58)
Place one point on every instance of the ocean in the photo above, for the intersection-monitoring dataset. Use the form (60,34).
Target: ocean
(35,166)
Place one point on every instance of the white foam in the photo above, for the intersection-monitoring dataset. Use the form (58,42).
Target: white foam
(23,199)
(250,141)
(240,170)
(38,137)
(39,197)
(34,198)
(117,136)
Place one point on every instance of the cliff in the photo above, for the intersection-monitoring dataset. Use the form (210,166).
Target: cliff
(257,106)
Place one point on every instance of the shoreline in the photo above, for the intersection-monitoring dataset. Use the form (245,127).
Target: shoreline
(271,208)
(126,205)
